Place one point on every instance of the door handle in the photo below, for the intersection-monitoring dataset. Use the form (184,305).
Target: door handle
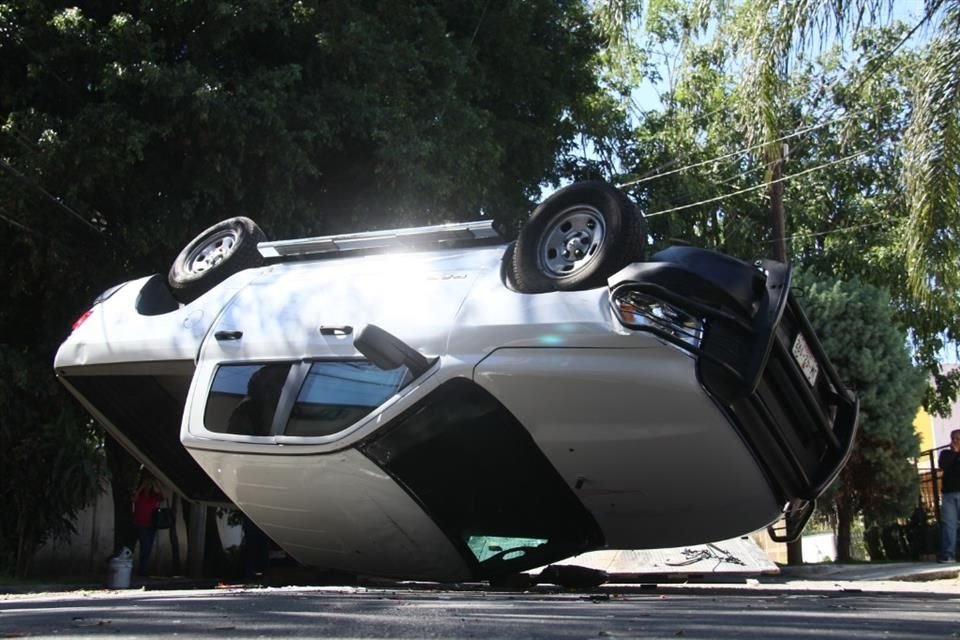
(228,335)
(344,330)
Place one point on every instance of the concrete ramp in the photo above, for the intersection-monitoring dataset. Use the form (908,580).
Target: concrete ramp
(737,557)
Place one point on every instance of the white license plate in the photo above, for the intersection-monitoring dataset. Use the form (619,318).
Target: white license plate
(804,357)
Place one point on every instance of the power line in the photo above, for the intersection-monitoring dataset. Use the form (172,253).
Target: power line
(19,225)
(50,197)
(23,142)
(739,152)
(759,186)
(696,119)
(731,179)
(817,234)
(67,248)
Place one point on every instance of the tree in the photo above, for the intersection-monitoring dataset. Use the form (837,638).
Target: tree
(846,217)
(50,461)
(868,348)
(767,37)
(125,130)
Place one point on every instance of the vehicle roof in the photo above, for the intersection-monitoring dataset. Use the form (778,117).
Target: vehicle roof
(436,236)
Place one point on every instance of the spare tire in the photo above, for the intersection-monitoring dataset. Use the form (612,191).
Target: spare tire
(224,249)
(577,238)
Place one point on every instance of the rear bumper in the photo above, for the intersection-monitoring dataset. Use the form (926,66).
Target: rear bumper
(799,422)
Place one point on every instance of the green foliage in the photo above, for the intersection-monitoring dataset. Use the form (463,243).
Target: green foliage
(155,122)
(50,461)
(860,334)
(848,217)
(932,180)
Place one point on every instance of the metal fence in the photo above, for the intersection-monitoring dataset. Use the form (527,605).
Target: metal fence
(930,482)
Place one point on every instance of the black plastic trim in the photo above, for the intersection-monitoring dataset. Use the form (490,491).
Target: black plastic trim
(155,298)
(474,469)
(795,518)
(801,434)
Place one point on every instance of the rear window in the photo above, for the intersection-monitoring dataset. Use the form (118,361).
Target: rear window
(244,398)
(321,398)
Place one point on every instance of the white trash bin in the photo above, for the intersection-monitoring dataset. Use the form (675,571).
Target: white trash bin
(121,567)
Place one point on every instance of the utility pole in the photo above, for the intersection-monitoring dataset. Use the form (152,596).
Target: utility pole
(779,226)
(777,216)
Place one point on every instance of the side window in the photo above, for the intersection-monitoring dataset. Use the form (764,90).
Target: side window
(336,394)
(244,397)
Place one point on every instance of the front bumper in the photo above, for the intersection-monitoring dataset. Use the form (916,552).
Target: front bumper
(749,336)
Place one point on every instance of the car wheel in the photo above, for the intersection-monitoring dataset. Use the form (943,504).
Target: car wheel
(577,238)
(219,252)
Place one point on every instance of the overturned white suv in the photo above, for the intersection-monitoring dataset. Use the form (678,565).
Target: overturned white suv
(435,403)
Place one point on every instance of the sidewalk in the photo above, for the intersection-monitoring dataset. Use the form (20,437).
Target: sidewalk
(900,571)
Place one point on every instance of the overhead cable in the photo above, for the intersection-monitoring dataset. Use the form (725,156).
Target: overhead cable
(816,234)
(759,186)
(739,152)
(6,165)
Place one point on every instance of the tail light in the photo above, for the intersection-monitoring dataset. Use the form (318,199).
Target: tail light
(83,318)
(100,298)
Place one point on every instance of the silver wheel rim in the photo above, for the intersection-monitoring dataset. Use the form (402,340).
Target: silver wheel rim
(212,252)
(571,242)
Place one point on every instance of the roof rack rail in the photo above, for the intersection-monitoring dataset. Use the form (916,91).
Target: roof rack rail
(414,237)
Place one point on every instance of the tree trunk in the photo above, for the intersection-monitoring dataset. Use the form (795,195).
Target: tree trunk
(174,536)
(795,552)
(873,541)
(196,533)
(844,521)
(777,217)
(123,478)
(25,550)
(778,226)
(214,558)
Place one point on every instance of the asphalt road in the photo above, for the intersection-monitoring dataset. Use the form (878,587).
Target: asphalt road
(702,612)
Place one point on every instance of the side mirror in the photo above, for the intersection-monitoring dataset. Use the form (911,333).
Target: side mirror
(387,351)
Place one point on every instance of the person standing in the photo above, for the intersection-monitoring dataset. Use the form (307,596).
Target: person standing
(950,503)
(147,498)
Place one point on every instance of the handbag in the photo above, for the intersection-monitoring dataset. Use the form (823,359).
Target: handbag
(162,518)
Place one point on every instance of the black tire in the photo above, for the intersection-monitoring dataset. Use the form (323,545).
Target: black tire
(577,238)
(570,576)
(224,249)
(506,267)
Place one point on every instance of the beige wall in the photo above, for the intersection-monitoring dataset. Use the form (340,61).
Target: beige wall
(776,551)
(87,552)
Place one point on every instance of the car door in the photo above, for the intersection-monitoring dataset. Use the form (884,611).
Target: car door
(281,396)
